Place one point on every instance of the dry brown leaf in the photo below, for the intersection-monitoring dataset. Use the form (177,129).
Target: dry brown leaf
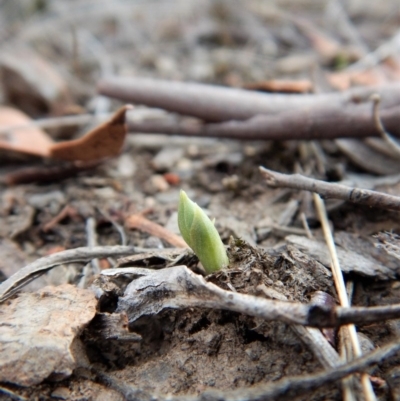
(344,80)
(284,86)
(38,333)
(27,139)
(106,140)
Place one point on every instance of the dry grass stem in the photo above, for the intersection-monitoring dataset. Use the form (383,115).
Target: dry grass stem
(341,290)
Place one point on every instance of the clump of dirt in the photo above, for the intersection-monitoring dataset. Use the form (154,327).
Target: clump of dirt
(285,273)
(188,351)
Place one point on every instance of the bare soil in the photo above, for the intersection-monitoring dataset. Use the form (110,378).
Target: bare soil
(188,351)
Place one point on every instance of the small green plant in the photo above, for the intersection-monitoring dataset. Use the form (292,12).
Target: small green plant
(201,235)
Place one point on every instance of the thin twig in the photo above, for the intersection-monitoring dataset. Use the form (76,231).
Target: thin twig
(284,389)
(46,174)
(318,344)
(66,211)
(139,222)
(284,230)
(379,126)
(306,226)
(331,190)
(117,226)
(92,242)
(341,290)
(40,266)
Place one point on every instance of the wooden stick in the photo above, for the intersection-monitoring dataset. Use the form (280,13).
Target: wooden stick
(311,122)
(331,190)
(217,103)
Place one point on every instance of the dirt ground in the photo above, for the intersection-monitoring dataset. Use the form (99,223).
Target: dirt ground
(187,351)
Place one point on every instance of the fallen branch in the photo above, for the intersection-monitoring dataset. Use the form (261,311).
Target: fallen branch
(331,190)
(217,103)
(181,288)
(310,122)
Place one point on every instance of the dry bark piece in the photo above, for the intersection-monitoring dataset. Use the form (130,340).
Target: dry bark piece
(106,140)
(12,257)
(18,222)
(40,335)
(30,140)
(390,243)
(349,261)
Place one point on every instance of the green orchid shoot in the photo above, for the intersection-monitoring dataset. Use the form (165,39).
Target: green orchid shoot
(201,235)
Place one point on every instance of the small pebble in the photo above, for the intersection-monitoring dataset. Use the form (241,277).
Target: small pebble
(169,197)
(62,393)
(53,199)
(153,242)
(231,182)
(126,166)
(105,193)
(167,158)
(159,183)
(172,178)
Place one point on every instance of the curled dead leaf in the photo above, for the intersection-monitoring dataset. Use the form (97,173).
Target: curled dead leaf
(17,134)
(106,140)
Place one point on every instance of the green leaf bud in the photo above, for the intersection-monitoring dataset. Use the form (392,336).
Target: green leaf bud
(201,235)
